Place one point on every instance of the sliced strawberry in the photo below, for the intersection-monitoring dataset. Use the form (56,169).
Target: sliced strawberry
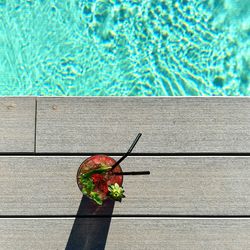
(97,177)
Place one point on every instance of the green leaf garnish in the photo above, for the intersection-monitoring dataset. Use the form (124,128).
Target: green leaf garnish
(88,187)
(101,170)
(84,191)
(88,184)
(96,197)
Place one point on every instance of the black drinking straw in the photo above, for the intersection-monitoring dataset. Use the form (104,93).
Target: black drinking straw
(133,173)
(129,151)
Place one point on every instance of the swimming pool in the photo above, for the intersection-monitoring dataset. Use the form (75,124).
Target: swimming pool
(124,48)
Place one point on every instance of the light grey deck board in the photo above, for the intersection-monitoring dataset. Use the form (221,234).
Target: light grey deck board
(128,233)
(168,125)
(17,124)
(176,185)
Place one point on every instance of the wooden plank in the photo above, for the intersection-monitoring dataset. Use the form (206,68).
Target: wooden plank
(126,233)
(168,125)
(17,119)
(176,185)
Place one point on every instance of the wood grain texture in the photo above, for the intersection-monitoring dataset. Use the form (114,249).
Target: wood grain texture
(128,233)
(17,124)
(176,185)
(168,125)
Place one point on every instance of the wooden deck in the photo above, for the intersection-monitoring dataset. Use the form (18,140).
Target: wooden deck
(196,197)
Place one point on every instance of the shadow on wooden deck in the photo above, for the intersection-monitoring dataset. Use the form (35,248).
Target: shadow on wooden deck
(90,232)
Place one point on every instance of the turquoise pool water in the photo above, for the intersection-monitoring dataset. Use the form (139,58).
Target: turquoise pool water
(124,48)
